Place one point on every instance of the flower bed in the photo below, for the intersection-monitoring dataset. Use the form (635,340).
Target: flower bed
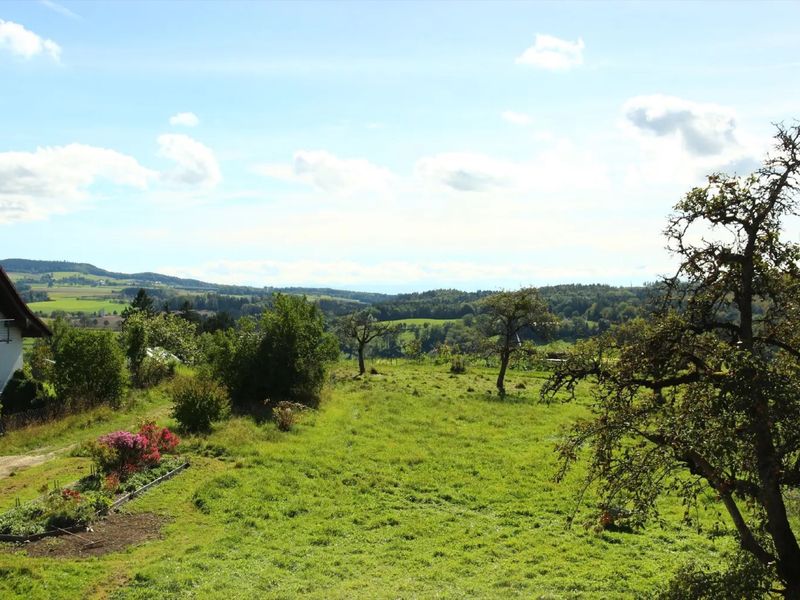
(124,462)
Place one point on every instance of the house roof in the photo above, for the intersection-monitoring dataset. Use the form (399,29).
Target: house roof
(14,307)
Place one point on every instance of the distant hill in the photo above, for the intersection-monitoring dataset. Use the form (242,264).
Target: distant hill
(584,305)
(42,267)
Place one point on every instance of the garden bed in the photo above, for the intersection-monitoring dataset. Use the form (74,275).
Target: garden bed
(125,465)
(111,534)
(33,521)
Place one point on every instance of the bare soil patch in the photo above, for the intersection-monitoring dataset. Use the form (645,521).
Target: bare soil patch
(115,532)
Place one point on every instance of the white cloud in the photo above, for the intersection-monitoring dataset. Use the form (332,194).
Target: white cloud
(329,173)
(704,129)
(467,172)
(196,163)
(516,118)
(680,142)
(23,42)
(186,119)
(560,169)
(34,185)
(552,53)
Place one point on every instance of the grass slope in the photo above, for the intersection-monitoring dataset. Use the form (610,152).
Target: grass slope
(404,485)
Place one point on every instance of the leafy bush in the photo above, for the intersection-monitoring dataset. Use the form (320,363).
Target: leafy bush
(23,392)
(198,402)
(281,357)
(458,364)
(89,366)
(153,370)
(744,579)
(143,330)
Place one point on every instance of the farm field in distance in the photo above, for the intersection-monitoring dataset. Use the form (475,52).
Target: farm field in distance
(410,483)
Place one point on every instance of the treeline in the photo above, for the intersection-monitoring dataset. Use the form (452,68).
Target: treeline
(29,295)
(433,304)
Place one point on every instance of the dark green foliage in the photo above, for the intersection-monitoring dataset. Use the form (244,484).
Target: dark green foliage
(744,579)
(90,366)
(283,356)
(23,392)
(294,351)
(198,402)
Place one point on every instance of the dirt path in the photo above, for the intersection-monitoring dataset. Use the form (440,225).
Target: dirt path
(17,462)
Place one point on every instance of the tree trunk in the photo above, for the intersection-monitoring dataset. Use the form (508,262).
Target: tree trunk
(787,549)
(504,356)
(361,368)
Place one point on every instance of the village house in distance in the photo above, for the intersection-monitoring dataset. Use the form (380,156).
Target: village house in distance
(16,322)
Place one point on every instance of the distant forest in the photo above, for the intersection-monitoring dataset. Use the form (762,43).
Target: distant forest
(582,309)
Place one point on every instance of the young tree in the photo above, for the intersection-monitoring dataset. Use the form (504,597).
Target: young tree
(507,314)
(89,366)
(142,303)
(361,328)
(705,394)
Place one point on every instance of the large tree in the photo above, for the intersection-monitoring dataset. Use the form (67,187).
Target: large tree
(506,315)
(704,395)
(361,328)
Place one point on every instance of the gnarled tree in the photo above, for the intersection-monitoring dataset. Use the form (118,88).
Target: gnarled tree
(505,316)
(362,327)
(705,394)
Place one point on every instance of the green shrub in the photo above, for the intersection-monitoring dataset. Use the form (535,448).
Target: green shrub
(89,367)
(743,579)
(23,392)
(283,356)
(458,364)
(153,370)
(142,330)
(198,402)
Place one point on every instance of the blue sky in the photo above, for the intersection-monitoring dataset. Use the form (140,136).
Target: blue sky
(384,146)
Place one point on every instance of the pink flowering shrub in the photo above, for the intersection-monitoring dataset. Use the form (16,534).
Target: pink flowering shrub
(123,453)
(159,440)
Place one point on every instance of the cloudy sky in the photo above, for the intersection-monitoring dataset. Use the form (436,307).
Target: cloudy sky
(383,146)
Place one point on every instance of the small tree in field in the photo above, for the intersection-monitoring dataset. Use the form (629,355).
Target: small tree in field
(705,394)
(507,314)
(361,328)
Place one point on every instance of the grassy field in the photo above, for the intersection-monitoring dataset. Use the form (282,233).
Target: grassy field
(408,484)
(421,322)
(76,305)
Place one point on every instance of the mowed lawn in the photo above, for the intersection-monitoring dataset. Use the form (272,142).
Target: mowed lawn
(408,484)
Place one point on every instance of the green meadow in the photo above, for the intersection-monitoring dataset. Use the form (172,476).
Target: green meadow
(76,305)
(413,483)
(421,321)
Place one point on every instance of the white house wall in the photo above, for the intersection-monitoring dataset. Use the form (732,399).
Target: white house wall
(10,353)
